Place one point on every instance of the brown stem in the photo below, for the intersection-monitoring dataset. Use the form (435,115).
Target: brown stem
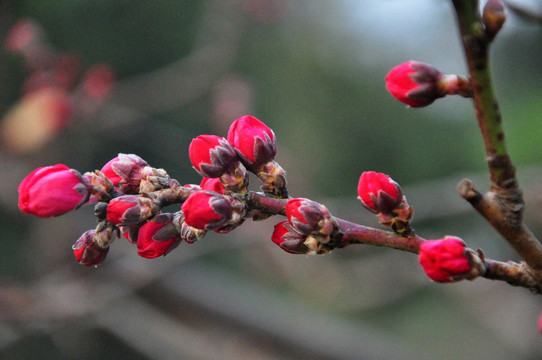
(513,273)
(503,206)
(358,234)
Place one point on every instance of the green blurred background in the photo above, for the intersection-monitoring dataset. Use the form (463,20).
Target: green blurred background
(314,72)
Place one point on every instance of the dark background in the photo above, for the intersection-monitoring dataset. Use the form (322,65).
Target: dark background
(314,72)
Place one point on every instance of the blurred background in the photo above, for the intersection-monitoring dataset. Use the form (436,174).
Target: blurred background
(84,80)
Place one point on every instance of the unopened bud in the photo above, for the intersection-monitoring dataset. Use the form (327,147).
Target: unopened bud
(254,142)
(131,209)
(309,217)
(446,260)
(87,251)
(207,210)
(414,83)
(493,17)
(52,191)
(289,240)
(157,237)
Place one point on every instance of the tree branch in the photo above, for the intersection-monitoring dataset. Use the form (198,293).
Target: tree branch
(503,206)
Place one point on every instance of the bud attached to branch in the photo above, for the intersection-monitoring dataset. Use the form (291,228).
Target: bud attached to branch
(448,260)
(289,240)
(213,157)
(493,17)
(87,251)
(52,191)
(131,209)
(206,210)
(308,217)
(157,237)
(255,144)
(417,84)
(384,197)
(127,171)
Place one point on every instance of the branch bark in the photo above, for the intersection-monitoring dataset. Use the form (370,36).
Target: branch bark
(503,205)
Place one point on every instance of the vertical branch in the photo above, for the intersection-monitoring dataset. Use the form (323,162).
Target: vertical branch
(503,206)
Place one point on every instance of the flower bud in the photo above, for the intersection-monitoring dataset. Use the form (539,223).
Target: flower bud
(130,209)
(289,240)
(87,251)
(445,260)
(309,217)
(53,190)
(126,171)
(157,237)
(415,83)
(212,184)
(207,210)
(493,17)
(254,142)
(130,232)
(211,155)
(379,193)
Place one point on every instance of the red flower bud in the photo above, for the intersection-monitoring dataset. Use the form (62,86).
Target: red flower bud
(254,142)
(53,190)
(130,209)
(212,155)
(157,236)
(127,171)
(207,210)
(87,251)
(414,83)
(289,240)
(212,184)
(379,193)
(445,260)
(308,217)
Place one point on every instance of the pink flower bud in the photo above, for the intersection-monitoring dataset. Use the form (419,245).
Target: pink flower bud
(308,217)
(207,210)
(212,184)
(52,190)
(379,193)
(87,251)
(126,171)
(414,83)
(289,240)
(157,236)
(130,209)
(254,142)
(445,260)
(212,155)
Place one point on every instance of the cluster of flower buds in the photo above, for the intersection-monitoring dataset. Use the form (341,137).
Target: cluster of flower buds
(382,196)
(53,92)
(417,84)
(449,260)
(129,194)
(310,228)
